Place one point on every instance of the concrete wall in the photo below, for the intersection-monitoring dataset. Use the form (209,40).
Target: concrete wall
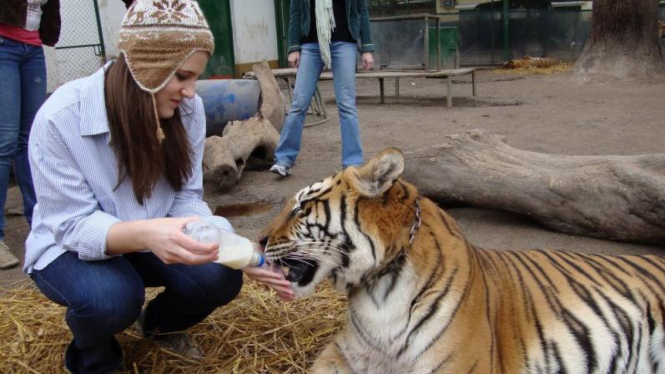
(254,33)
(52,71)
(111,12)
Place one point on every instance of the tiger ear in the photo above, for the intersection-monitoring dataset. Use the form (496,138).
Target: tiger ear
(378,175)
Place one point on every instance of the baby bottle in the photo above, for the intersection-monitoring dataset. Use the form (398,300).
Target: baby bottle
(235,251)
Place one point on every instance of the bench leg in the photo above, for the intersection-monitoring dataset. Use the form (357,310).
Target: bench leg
(473,83)
(288,84)
(383,100)
(449,83)
(397,87)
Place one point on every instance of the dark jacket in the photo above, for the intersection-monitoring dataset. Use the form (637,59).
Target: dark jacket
(356,13)
(16,11)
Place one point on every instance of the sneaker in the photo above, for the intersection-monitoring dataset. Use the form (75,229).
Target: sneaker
(283,171)
(177,342)
(7,258)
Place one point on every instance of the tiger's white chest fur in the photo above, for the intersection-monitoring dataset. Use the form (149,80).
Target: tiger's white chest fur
(381,319)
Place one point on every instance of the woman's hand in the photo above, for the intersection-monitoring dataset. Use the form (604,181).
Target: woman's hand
(164,238)
(368,60)
(272,277)
(167,241)
(294,59)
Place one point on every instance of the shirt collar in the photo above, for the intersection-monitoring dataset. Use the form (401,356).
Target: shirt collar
(93,108)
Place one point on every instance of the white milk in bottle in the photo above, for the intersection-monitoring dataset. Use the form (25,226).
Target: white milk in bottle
(235,251)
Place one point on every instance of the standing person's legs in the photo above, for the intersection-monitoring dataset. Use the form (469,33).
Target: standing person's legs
(191,292)
(307,78)
(33,95)
(102,299)
(344,77)
(11,53)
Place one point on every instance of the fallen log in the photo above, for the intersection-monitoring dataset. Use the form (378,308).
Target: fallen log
(609,197)
(225,157)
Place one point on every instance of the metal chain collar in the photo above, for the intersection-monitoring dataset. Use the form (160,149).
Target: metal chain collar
(416,224)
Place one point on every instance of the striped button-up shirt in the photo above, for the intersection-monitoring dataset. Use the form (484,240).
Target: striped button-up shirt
(75,173)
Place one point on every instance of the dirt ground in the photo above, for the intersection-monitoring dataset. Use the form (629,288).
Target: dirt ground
(543,113)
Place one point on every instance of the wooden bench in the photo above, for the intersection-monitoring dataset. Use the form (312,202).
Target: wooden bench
(289,73)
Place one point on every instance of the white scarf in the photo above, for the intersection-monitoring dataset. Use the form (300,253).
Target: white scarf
(325,24)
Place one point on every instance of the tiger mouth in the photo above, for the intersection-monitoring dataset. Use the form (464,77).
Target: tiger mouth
(297,271)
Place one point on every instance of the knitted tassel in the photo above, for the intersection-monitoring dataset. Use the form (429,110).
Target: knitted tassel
(325,24)
(160,133)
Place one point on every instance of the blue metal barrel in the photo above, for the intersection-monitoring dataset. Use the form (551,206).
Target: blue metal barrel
(227,100)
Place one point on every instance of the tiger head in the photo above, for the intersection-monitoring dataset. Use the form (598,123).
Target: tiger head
(346,227)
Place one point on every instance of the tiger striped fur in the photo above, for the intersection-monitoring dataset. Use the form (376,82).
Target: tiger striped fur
(441,305)
(528,62)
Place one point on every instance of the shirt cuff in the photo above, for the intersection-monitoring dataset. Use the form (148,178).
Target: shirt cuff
(92,243)
(367,48)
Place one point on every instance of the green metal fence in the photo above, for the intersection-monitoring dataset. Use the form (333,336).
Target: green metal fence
(414,42)
(487,35)
(80,50)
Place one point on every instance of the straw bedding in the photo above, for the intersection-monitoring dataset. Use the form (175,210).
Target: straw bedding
(256,333)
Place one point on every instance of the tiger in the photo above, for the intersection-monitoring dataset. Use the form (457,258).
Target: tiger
(423,299)
(528,61)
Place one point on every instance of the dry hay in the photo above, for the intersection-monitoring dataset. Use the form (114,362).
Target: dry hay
(535,65)
(256,333)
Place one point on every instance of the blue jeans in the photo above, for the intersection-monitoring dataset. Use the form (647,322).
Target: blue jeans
(105,297)
(23,77)
(343,56)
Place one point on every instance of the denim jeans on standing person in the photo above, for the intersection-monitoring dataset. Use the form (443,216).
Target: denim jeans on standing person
(23,77)
(343,56)
(105,297)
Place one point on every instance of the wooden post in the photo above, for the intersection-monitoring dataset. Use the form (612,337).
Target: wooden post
(506,24)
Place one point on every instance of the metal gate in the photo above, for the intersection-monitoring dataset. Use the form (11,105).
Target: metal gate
(218,15)
(80,50)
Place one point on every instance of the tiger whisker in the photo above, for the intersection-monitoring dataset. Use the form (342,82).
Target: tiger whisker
(319,254)
(328,246)
(303,258)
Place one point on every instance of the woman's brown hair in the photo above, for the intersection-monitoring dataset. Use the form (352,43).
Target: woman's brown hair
(141,157)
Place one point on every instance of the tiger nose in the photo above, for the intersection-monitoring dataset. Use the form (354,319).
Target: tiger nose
(264,241)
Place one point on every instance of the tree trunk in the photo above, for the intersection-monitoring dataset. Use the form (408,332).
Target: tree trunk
(225,157)
(623,42)
(608,197)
